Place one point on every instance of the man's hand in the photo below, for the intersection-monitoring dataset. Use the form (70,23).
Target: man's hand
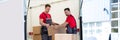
(47,25)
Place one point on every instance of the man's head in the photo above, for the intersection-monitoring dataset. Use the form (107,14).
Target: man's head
(67,11)
(47,7)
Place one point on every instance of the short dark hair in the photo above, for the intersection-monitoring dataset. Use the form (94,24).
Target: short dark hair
(67,9)
(47,5)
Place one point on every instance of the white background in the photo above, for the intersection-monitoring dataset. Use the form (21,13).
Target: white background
(11,20)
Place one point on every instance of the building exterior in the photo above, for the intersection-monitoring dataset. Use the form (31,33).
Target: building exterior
(101,30)
(115,19)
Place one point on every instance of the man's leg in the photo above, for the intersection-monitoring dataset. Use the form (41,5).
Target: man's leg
(69,30)
(44,37)
(44,33)
(50,37)
(74,30)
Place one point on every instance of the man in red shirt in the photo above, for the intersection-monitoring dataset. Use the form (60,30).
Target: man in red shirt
(45,21)
(70,22)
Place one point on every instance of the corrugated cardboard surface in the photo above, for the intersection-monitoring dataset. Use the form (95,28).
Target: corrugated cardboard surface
(53,29)
(65,37)
(53,37)
(61,30)
(36,29)
(37,37)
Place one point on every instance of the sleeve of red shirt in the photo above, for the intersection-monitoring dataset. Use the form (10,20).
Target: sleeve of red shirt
(41,16)
(67,20)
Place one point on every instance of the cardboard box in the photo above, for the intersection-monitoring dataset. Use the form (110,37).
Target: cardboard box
(36,29)
(53,29)
(65,37)
(53,37)
(61,30)
(37,37)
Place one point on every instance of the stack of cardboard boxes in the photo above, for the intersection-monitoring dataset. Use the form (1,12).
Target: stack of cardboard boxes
(36,33)
(57,32)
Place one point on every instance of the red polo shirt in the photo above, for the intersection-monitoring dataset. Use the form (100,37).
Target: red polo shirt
(44,15)
(71,21)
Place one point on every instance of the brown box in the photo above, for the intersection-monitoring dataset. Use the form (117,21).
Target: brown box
(53,29)
(61,30)
(36,29)
(53,37)
(65,37)
(37,37)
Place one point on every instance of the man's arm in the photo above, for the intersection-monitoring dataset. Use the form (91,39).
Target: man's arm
(64,24)
(43,24)
(54,23)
